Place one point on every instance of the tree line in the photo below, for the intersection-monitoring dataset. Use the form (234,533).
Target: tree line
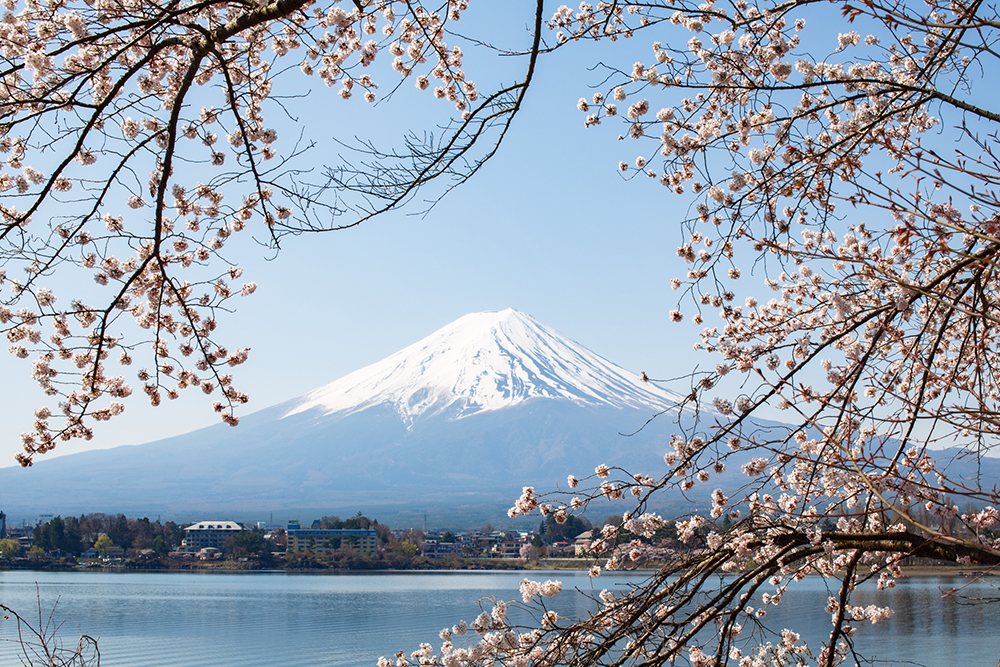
(74,535)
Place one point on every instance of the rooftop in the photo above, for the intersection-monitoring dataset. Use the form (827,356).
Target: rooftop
(215,525)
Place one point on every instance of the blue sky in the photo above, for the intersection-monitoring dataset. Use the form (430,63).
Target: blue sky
(547,227)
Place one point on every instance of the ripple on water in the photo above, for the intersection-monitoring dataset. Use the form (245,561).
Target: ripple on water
(349,620)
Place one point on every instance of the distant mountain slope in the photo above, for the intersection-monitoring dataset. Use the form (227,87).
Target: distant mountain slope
(455,424)
(467,415)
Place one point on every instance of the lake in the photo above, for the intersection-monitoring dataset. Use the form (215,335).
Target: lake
(193,619)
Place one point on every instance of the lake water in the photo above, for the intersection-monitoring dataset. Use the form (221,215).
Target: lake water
(350,619)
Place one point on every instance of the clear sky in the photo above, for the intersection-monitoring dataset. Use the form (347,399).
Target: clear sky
(547,227)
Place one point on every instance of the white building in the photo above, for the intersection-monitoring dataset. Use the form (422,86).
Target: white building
(209,534)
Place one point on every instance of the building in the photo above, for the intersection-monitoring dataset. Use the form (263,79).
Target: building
(322,541)
(510,548)
(209,534)
(581,545)
(436,549)
(113,553)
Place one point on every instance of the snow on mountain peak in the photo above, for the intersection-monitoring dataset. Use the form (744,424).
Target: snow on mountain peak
(485,361)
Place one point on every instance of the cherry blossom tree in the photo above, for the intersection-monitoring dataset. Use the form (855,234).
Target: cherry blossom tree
(840,158)
(137,139)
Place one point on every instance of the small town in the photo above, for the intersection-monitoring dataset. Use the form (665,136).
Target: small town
(100,540)
(103,541)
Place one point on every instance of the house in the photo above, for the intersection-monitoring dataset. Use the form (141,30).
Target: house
(561,549)
(113,553)
(482,541)
(435,549)
(581,545)
(509,548)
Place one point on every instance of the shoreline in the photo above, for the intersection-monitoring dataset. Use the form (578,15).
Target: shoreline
(477,565)
(969,571)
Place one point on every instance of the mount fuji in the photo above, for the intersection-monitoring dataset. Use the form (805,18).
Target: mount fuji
(461,419)
(481,363)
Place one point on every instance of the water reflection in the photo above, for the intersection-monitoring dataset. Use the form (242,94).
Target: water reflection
(348,620)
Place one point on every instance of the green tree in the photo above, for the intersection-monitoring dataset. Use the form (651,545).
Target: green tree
(448,537)
(48,535)
(58,533)
(414,536)
(72,540)
(173,533)
(141,531)
(102,544)
(384,533)
(160,546)
(245,543)
(120,532)
(9,548)
(359,522)
(471,551)
(38,536)
(406,549)
(552,531)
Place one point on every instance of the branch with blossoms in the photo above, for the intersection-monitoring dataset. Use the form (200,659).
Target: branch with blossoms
(135,145)
(842,249)
(493,637)
(905,317)
(687,612)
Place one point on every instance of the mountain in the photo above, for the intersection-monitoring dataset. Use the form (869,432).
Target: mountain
(460,419)
(480,363)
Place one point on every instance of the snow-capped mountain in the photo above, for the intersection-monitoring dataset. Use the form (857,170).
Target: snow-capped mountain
(482,362)
(462,418)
